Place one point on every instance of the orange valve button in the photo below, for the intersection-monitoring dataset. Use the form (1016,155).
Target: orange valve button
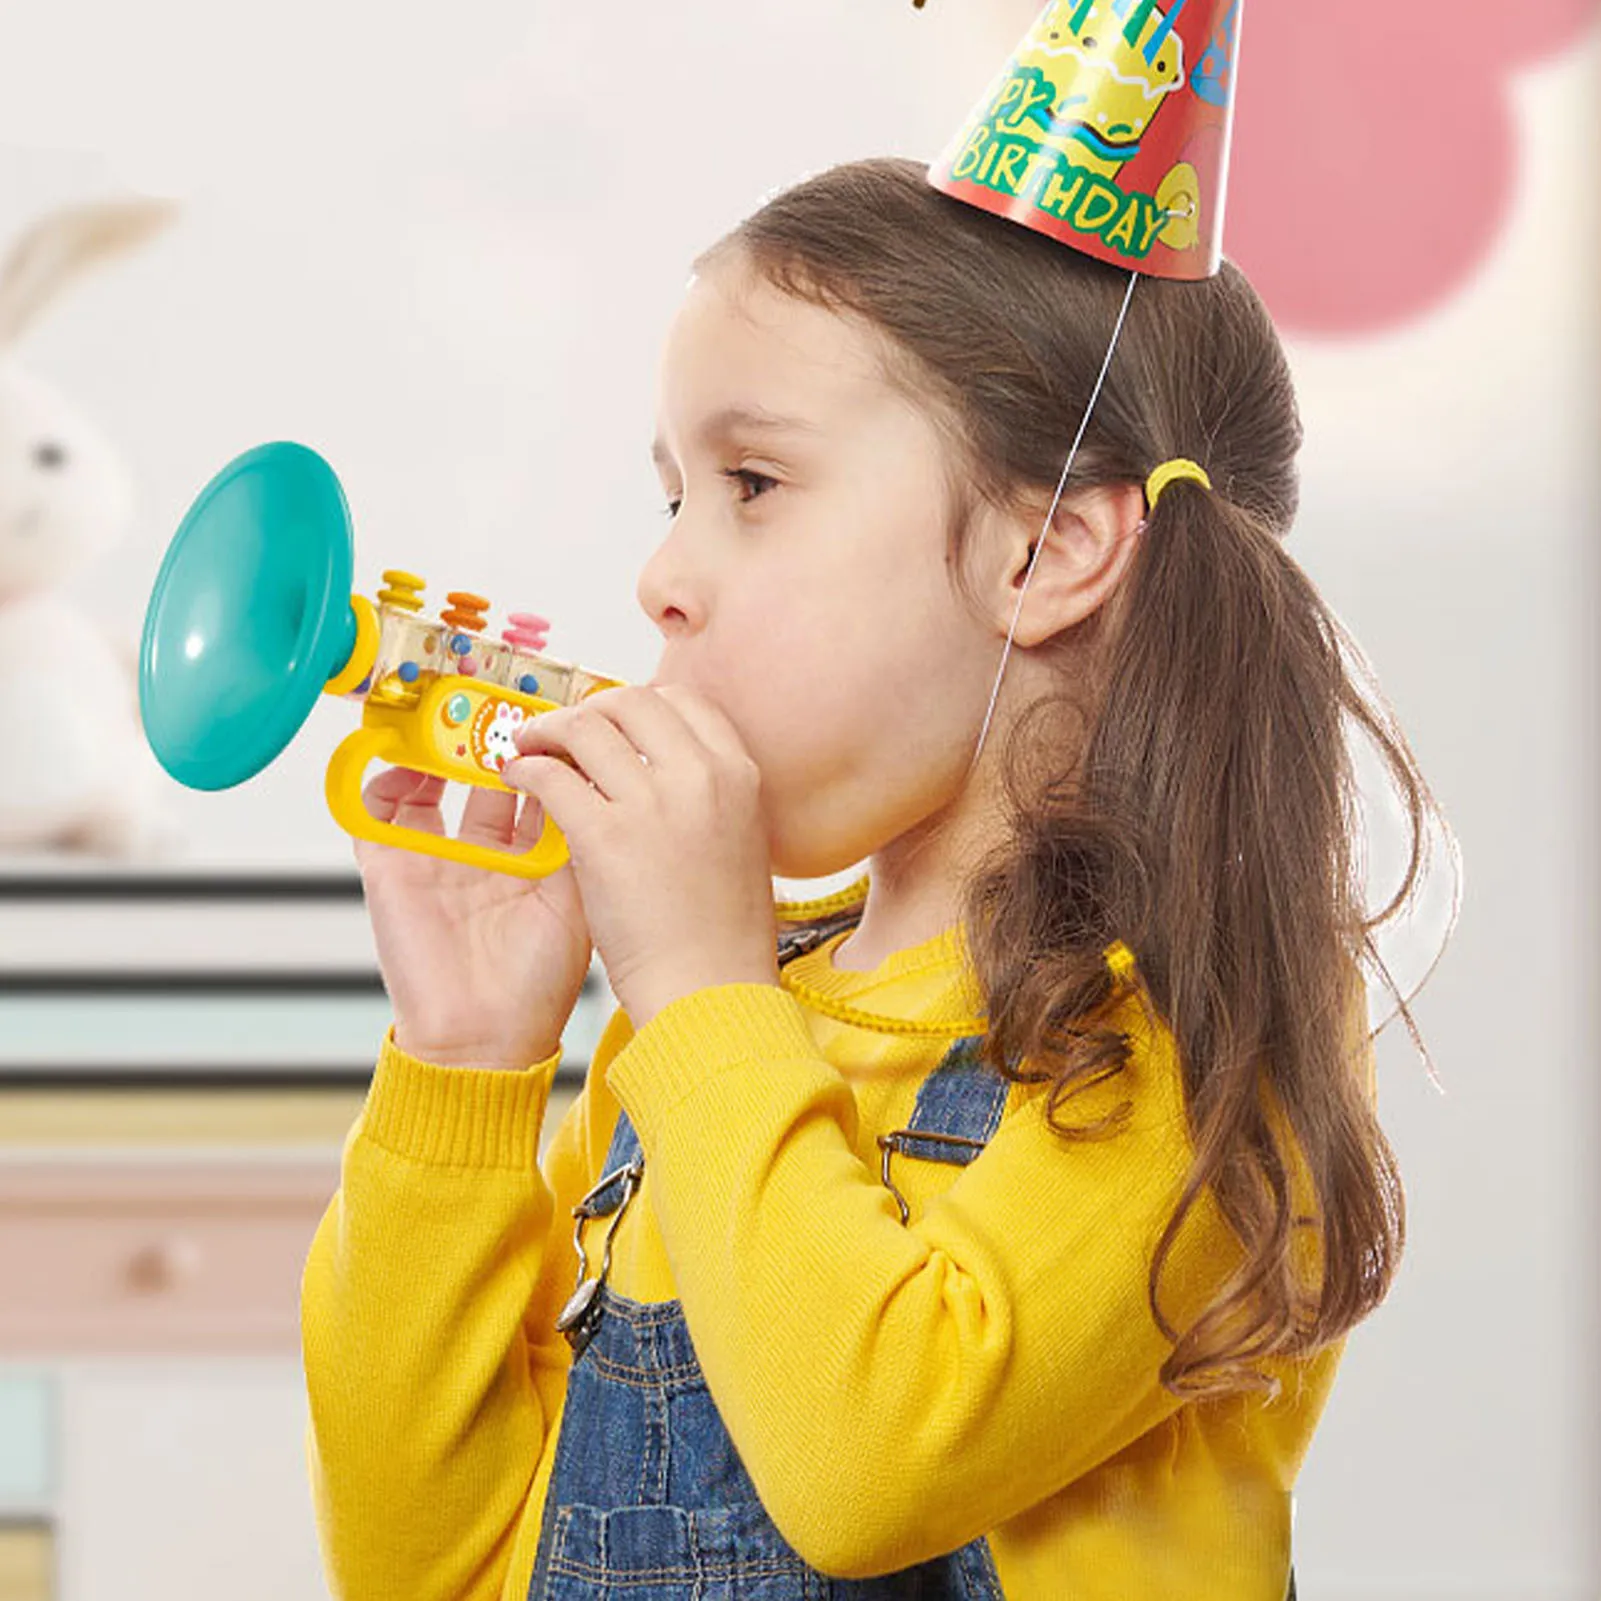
(466,611)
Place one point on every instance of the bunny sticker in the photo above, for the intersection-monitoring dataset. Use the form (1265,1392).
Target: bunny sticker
(495,733)
(78,772)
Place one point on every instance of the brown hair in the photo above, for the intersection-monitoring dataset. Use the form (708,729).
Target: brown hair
(1190,791)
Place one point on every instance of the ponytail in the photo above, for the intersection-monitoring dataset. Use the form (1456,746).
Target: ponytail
(1207,825)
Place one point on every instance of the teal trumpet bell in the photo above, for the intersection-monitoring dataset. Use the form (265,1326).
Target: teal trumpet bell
(249,618)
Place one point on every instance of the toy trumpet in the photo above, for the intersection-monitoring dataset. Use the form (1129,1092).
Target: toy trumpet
(252,618)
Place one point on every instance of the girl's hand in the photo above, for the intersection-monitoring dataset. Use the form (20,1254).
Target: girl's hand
(663,819)
(483,969)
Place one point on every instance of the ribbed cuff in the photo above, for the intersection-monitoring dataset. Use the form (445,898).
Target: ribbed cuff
(456,1116)
(696,1038)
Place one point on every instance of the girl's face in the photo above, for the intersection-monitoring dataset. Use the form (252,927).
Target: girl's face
(803,586)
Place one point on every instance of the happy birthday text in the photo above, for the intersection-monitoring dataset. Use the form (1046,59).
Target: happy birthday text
(1000,156)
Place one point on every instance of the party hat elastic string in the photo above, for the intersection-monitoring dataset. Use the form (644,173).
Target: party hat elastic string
(1050,516)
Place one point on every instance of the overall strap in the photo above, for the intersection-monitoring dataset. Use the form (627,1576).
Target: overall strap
(961,1100)
(959,1107)
(625,1150)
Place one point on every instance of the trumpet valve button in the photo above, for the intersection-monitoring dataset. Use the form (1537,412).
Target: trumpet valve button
(401,590)
(527,632)
(466,611)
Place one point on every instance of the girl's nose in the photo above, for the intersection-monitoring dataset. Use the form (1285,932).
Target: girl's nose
(665,593)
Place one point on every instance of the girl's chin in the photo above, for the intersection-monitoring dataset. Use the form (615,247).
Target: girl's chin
(808,858)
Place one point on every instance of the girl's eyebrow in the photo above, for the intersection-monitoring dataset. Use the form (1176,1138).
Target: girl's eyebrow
(750,419)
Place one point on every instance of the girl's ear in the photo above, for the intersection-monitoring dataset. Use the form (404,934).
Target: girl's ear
(1087,550)
(61,245)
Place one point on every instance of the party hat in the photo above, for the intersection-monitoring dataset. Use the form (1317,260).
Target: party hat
(1109,130)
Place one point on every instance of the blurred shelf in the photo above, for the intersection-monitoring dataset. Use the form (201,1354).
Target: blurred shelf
(27,1560)
(156,1255)
(137,1120)
(35,879)
(28,1422)
(220,1029)
(141,1117)
(60,929)
(166,1036)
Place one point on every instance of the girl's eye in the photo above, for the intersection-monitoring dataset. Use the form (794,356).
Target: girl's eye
(756,484)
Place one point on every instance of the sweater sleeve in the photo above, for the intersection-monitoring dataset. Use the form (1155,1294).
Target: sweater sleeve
(431,1384)
(896,1391)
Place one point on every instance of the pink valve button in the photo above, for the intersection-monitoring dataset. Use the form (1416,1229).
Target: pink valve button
(527,632)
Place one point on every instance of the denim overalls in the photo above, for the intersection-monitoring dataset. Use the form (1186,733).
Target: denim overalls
(648,1499)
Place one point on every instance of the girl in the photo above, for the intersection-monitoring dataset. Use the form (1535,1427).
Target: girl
(1000,1236)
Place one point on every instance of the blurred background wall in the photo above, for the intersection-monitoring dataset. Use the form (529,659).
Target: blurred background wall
(444,252)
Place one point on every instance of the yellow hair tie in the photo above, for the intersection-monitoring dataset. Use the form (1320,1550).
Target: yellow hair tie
(1179,467)
(1120,959)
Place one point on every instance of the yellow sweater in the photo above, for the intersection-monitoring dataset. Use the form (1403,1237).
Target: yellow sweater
(989,1368)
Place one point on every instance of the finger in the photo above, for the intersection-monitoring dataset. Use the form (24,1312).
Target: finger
(423,815)
(395,783)
(418,808)
(655,727)
(530,825)
(603,753)
(710,724)
(488,816)
(396,787)
(566,797)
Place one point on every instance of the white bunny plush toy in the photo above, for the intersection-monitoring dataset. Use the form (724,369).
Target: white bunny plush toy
(75,771)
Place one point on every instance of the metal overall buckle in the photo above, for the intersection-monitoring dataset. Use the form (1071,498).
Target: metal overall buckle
(798,941)
(897,1141)
(793,942)
(581,1316)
